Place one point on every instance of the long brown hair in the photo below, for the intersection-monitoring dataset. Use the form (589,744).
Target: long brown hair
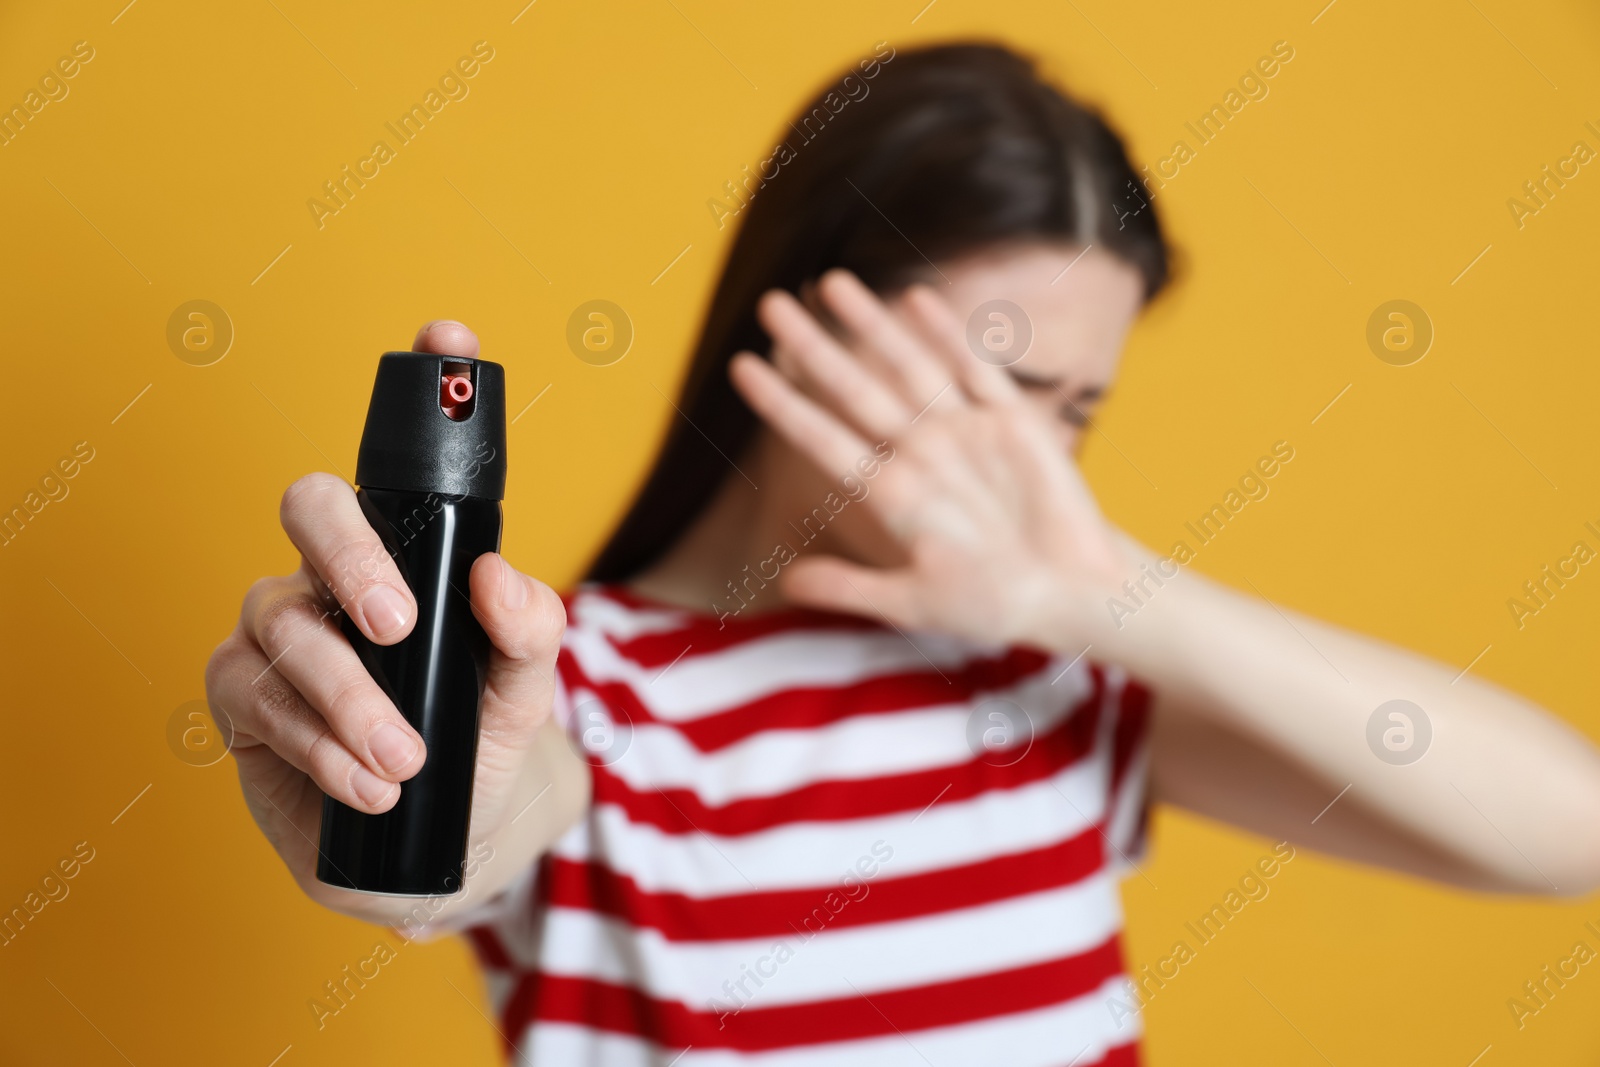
(908,159)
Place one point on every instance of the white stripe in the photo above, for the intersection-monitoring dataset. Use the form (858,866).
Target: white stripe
(705,684)
(620,621)
(1044,1037)
(771,762)
(815,962)
(798,855)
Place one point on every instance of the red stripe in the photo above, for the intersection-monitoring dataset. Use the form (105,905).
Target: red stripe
(671,1024)
(1121,1056)
(804,708)
(864,901)
(681,811)
(708,632)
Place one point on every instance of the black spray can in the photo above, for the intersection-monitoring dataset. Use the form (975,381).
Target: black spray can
(432,473)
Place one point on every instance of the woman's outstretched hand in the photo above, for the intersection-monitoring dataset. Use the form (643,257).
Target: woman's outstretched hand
(1263,716)
(1002,538)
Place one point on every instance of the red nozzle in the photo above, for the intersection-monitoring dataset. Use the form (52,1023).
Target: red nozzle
(455,395)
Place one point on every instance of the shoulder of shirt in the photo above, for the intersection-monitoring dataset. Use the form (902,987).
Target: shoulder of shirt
(654,634)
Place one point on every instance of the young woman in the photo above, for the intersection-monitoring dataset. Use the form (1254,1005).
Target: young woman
(869,740)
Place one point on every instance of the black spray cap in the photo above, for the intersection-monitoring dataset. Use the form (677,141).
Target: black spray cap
(436,424)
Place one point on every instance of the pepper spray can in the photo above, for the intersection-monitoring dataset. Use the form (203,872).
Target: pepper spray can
(431,474)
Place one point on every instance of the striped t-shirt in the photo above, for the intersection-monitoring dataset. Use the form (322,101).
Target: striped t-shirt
(818,840)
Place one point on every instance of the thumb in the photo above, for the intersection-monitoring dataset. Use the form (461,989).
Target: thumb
(524,619)
(832,584)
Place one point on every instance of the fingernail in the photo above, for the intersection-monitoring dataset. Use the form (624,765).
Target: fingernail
(369,787)
(513,588)
(385,611)
(391,747)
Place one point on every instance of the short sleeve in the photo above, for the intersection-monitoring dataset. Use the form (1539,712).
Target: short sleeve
(1127,706)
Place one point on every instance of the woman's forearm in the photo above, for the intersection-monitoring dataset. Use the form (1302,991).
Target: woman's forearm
(1479,772)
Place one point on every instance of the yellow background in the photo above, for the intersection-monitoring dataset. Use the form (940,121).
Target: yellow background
(179,167)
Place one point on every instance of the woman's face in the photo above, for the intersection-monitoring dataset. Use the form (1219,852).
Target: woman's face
(1078,307)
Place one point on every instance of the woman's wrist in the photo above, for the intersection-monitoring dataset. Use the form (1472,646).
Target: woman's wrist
(1146,615)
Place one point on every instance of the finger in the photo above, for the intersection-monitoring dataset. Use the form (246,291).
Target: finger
(918,375)
(265,708)
(1066,501)
(932,318)
(524,619)
(783,357)
(302,643)
(838,377)
(285,803)
(446,337)
(323,519)
(832,584)
(811,300)
(812,430)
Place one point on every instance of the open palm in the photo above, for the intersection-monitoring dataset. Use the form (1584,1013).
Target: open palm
(999,530)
